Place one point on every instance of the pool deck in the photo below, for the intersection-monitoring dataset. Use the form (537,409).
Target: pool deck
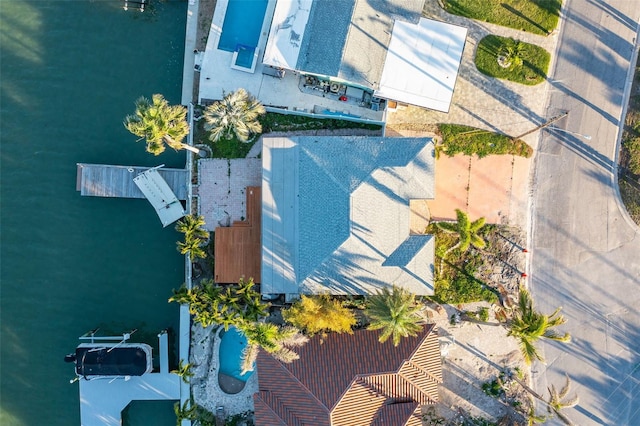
(217,77)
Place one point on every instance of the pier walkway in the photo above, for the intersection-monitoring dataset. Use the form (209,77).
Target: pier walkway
(101,180)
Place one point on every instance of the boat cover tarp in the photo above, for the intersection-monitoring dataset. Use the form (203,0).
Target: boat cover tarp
(160,195)
(114,361)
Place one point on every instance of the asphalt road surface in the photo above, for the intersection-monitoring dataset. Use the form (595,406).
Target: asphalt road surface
(585,251)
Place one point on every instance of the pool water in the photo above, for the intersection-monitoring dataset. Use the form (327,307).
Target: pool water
(245,57)
(242,24)
(232,343)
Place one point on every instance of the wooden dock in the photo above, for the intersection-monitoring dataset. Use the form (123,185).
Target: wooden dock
(238,251)
(101,180)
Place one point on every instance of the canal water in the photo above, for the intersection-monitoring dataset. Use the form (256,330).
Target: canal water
(70,72)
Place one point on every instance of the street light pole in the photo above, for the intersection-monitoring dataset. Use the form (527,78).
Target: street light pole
(587,137)
(542,126)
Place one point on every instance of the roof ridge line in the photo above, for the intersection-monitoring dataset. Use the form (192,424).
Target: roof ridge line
(424,371)
(267,406)
(296,380)
(427,395)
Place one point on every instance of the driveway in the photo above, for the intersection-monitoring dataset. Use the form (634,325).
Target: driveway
(496,187)
(584,248)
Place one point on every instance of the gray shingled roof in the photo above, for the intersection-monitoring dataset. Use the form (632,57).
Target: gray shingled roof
(336,214)
(348,39)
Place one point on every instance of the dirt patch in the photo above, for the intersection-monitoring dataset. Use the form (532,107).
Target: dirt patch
(205,16)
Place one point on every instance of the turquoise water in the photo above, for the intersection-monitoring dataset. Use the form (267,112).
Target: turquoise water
(232,344)
(245,57)
(71,71)
(242,24)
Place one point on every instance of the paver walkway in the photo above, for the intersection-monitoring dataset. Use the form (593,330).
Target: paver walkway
(495,187)
(221,189)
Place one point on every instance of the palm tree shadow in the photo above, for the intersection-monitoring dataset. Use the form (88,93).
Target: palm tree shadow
(524,17)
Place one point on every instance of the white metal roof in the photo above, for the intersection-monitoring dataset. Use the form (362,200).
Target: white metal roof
(287,29)
(422,63)
(161,197)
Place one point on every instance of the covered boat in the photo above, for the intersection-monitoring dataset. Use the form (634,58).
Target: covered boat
(111,357)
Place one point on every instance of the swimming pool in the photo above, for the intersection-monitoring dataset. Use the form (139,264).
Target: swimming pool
(232,343)
(242,24)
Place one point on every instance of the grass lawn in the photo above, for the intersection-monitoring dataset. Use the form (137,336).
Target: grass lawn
(532,71)
(470,140)
(224,148)
(533,16)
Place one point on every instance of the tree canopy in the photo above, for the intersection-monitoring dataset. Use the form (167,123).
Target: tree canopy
(319,314)
(527,325)
(159,123)
(236,114)
(395,312)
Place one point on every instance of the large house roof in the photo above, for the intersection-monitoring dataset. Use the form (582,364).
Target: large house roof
(347,39)
(350,379)
(336,217)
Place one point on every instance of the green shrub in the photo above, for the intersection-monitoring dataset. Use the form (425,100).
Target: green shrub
(493,388)
(462,289)
(470,140)
(534,60)
(274,122)
(632,145)
(483,314)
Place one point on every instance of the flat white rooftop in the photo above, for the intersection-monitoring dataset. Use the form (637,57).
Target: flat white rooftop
(422,63)
(285,37)
(102,401)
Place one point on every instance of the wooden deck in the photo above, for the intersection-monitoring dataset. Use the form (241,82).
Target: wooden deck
(238,248)
(100,180)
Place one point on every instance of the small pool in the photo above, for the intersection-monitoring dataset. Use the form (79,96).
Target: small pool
(232,343)
(242,24)
(245,57)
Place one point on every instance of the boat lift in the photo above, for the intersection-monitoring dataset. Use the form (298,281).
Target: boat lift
(139,4)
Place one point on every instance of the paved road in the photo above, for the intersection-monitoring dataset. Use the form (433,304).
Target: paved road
(586,255)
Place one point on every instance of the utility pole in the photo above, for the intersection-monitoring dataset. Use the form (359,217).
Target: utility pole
(542,126)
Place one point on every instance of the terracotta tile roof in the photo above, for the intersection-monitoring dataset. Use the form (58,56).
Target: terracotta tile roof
(278,394)
(401,413)
(350,380)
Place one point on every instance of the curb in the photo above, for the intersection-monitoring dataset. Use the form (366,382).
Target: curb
(625,105)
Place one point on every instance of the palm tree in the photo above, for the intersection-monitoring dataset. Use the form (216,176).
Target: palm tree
(528,326)
(467,231)
(278,341)
(395,312)
(188,411)
(159,123)
(237,113)
(555,404)
(192,226)
(512,53)
(193,246)
(184,371)
(558,401)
